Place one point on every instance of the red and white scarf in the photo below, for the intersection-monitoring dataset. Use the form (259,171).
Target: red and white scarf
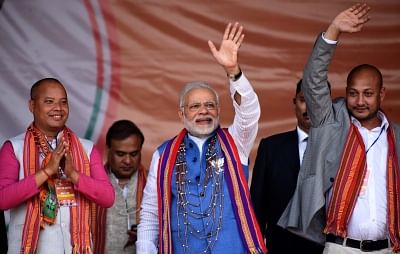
(82,215)
(349,179)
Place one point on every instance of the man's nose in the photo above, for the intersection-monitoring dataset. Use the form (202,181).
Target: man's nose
(127,159)
(58,105)
(203,109)
(360,100)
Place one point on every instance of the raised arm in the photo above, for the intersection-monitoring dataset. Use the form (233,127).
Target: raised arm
(315,77)
(226,55)
(245,101)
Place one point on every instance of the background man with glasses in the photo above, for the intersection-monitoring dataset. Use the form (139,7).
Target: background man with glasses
(196,199)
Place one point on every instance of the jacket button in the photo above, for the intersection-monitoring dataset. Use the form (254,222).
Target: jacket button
(332,179)
(194,159)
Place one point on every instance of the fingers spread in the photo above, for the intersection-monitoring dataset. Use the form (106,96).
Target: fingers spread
(226,33)
(360,10)
(238,35)
(233,31)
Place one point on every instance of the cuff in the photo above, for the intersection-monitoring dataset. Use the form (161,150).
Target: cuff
(327,40)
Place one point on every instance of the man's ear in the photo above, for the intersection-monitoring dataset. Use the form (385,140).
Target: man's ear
(382,93)
(31,105)
(180,114)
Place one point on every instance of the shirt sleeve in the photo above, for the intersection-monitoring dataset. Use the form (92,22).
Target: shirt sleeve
(148,227)
(245,124)
(13,191)
(97,186)
(328,40)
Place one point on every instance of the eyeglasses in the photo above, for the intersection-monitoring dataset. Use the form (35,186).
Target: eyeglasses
(197,106)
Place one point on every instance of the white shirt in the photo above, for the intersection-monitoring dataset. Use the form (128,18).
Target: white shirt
(243,130)
(303,137)
(369,218)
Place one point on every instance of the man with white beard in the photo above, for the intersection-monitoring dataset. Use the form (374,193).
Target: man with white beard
(196,199)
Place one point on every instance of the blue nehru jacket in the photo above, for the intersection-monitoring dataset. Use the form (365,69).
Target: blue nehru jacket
(199,196)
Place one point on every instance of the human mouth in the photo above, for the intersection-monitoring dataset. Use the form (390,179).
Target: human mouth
(126,169)
(56,117)
(204,121)
(360,109)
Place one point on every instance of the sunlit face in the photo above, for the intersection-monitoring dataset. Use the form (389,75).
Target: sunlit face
(364,96)
(200,113)
(303,121)
(124,156)
(50,108)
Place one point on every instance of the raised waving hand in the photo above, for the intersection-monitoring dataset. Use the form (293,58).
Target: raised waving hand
(227,54)
(348,21)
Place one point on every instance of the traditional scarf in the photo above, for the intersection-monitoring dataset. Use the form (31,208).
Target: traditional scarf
(236,183)
(141,183)
(347,186)
(81,225)
(100,233)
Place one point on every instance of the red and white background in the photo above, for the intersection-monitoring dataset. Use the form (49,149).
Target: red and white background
(129,59)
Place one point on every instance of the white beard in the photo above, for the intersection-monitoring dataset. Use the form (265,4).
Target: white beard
(203,131)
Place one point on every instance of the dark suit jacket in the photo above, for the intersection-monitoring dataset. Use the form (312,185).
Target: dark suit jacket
(3,234)
(273,183)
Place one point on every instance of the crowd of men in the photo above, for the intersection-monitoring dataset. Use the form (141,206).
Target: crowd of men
(331,185)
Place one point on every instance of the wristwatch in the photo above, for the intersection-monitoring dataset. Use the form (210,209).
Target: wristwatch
(234,77)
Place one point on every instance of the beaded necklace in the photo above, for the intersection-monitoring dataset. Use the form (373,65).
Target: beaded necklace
(186,211)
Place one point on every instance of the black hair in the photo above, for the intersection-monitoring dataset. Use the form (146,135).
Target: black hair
(122,129)
(298,86)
